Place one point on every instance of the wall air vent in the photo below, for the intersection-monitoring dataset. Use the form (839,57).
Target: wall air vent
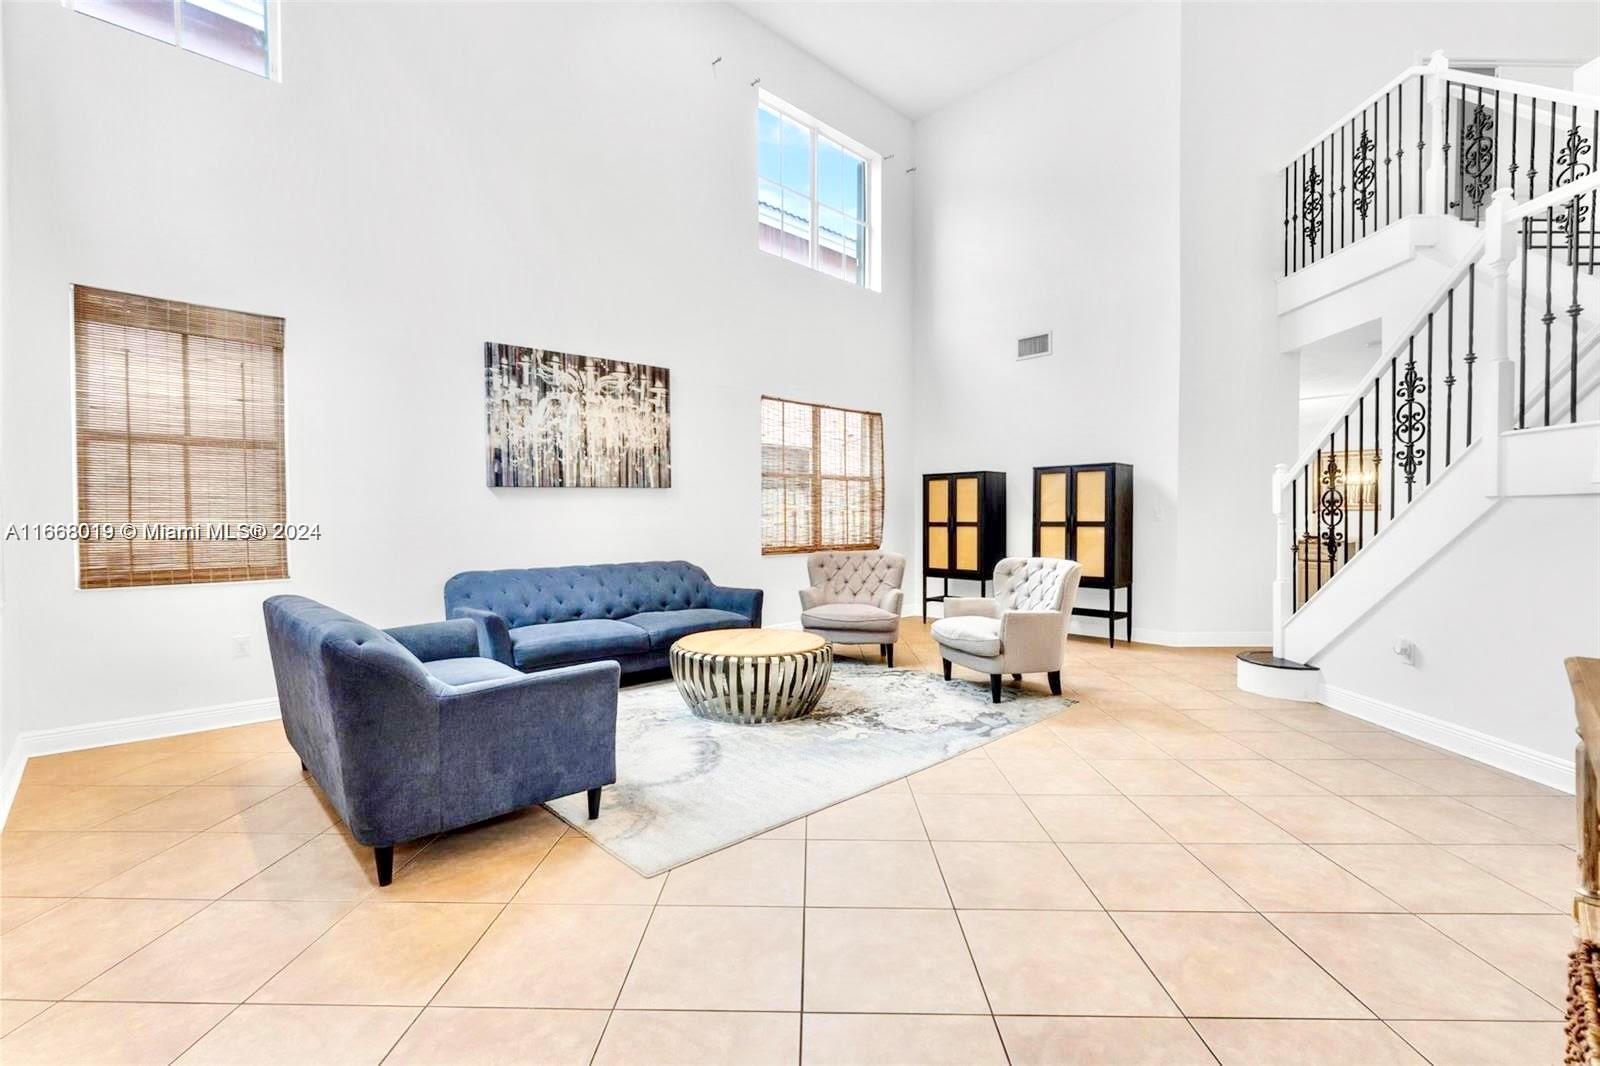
(1033,347)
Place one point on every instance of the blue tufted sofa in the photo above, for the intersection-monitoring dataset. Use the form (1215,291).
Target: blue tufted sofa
(410,732)
(627,612)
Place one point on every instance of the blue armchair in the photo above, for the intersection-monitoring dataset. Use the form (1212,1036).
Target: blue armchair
(410,732)
(629,613)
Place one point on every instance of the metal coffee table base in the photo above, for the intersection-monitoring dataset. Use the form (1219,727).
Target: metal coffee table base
(751,690)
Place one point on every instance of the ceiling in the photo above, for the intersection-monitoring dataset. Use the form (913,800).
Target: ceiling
(918,57)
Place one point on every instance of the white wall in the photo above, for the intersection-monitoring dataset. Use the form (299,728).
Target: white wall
(1259,80)
(564,176)
(1491,618)
(1049,201)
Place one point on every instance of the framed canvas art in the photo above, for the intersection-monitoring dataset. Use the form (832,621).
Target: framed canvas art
(575,421)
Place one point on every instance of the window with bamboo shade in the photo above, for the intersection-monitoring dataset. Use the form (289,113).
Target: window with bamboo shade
(179,427)
(821,477)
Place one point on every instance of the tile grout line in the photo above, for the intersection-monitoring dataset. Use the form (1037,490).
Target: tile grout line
(476,941)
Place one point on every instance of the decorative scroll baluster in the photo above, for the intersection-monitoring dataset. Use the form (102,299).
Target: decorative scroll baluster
(1477,154)
(1364,175)
(1311,208)
(1410,419)
(1330,510)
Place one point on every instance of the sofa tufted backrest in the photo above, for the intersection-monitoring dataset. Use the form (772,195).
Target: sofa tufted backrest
(855,577)
(1036,584)
(568,593)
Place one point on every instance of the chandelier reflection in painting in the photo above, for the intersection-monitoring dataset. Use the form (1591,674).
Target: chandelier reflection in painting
(558,420)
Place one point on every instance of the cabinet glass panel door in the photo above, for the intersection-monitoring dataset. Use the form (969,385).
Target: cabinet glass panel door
(938,524)
(1089,536)
(1050,490)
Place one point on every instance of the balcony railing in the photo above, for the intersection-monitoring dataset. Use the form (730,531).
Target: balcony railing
(1432,141)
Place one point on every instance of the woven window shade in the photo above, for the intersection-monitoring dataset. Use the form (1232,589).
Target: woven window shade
(179,424)
(821,477)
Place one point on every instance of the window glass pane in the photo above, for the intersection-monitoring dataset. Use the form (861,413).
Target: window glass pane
(153,18)
(796,145)
(768,167)
(841,179)
(769,216)
(233,31)
(839,243)
(796,227)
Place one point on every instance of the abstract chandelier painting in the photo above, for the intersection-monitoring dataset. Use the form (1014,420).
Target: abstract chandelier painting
(557,420)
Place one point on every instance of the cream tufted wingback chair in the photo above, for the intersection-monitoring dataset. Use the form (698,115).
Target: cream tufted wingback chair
(1017,631)
(854,598)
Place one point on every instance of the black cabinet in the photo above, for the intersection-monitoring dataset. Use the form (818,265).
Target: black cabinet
(963,529)
(1085,512)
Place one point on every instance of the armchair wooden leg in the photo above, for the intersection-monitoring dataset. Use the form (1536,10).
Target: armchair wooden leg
(947,669)
(384,859)
(1055,682)
(1017,678)
(888,655)
(994,686)
(594,804)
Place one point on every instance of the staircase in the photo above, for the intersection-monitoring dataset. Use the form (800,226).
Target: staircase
(1486,393)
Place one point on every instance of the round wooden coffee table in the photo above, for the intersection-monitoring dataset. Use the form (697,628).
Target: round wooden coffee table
(750,676)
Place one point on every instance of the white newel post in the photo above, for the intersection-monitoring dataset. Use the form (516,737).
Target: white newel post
(1430,166)
(1283,581)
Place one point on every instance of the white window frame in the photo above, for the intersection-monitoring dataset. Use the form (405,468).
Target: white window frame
(818,131)
(274,23)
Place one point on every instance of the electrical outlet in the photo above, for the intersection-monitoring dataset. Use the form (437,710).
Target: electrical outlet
(241,646)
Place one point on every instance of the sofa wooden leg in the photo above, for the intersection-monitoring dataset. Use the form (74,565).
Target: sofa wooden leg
(594,804)
(1055,682)
(994,686)
(384,859)
(947,669)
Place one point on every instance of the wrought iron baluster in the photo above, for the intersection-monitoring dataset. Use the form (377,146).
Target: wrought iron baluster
(1449,369)
(1444,169)
(1344,490)
(1427,448)
(1522,334)
(1576,309)
(1388,156)
(1550,181)
(1330,509)
(1549,316)
(1363,175)
(1394,430)
(1318,516)
(1410,418)
(1286,222)
(1476,157)
(1511,169)
(1533,143)
(1361,476)
(1400,150)
(1471,358)
(1294,543)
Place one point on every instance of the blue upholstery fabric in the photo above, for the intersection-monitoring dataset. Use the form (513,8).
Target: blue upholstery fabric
(664,627)
(584,640)
(469,670)
(403,752)
(439,640)
(511,606)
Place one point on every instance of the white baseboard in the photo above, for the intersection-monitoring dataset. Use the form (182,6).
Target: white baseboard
(1506,755)
(124,731)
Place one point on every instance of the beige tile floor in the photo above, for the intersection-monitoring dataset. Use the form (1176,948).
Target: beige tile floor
(1170,871)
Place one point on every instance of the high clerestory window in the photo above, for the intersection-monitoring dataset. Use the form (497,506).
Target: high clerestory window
(235,32)
(815,194)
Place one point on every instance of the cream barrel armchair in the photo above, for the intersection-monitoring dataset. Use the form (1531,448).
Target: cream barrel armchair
(1017,631)
(854,598)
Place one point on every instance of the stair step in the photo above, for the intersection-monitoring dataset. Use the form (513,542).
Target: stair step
(1271,661)
(1265,674)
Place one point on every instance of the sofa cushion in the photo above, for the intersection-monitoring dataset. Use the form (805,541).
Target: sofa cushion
(972,634)
(664,627)
(467,670)
(850,616)
(585,640)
